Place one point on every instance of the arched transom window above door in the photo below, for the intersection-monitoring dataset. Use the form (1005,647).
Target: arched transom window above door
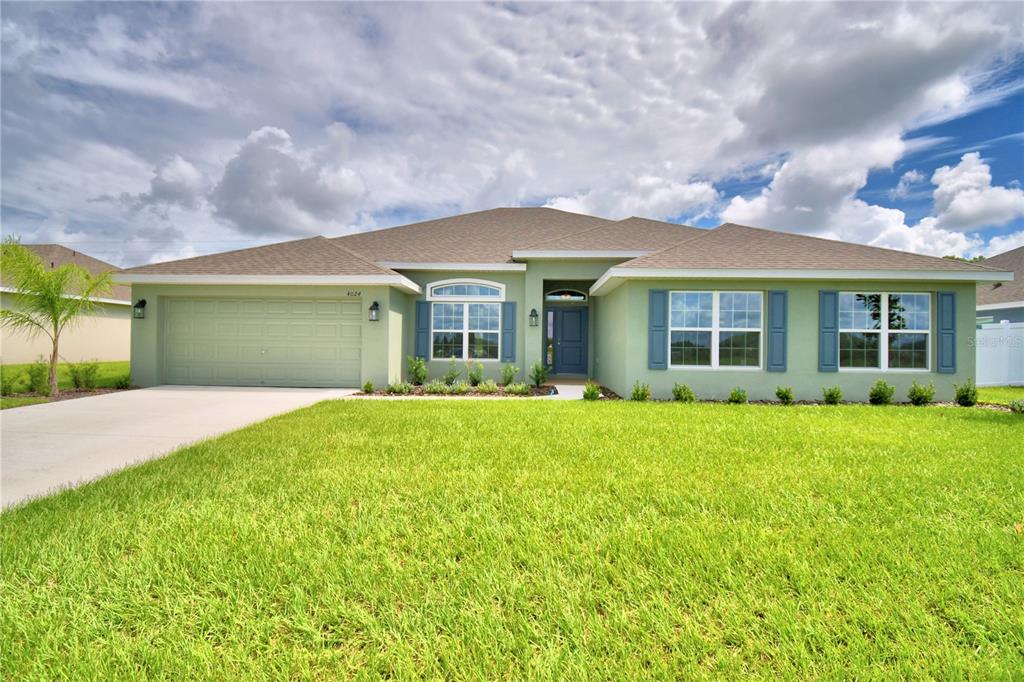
(566,296)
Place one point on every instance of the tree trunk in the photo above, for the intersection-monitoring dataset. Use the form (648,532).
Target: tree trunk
(53,369)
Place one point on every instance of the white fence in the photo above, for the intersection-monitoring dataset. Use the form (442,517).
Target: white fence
(1000,352)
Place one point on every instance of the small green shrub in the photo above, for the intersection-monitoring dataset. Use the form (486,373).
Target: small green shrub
(737,396)
(487,387)
(460,388)
(39,377)
(417,370)
(881,393)
(399,388)
(919,394)
(683,394)
(517,389)
(437,387)
(474,373)
(966,395)
(833,395)
(124,382)
(368,386)
(591,391)
(641,392)
(784,394)
(453,373)
(83,374)
(1017,406)
(509,373)
(9,380)
(538,374)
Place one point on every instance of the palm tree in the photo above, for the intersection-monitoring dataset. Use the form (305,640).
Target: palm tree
(50,300)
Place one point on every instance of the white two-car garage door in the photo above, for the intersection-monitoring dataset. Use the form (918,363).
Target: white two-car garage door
(262,341)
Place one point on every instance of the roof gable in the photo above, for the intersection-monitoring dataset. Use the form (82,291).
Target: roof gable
(1004,292)
(56,255)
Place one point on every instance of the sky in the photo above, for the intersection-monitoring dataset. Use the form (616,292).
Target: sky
(145,132)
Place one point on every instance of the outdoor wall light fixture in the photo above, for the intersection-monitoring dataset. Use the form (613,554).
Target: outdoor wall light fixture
(534,318)
(374,311)
(139,309)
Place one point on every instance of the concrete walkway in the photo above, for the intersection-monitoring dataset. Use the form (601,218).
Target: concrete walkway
(60,444)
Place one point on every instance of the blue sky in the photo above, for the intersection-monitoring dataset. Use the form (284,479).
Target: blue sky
(144,132)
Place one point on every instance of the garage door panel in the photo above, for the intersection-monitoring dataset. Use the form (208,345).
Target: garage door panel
(263,342)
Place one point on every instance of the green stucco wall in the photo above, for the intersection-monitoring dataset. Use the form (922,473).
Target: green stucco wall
(628,334)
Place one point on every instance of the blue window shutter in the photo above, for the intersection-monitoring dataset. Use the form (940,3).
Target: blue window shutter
(947,332)
(508,331)
(657,329)
(422,346)
(777,301)
(828,331)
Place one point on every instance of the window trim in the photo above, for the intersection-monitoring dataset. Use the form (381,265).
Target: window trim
(716,330)
(883,335)
(472,299)
(465,331)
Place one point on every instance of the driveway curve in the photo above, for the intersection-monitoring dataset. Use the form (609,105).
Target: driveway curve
(44,448)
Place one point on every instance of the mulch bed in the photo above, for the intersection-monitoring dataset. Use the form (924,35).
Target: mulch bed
(69,393)
(473,393)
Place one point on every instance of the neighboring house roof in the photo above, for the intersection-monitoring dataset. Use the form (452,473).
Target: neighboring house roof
(56,255)
(1004,292)
(481,237)
(629,235)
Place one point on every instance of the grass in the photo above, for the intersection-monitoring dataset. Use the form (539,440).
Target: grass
(7,402)
(1000,395)
(107,377)
(537,539)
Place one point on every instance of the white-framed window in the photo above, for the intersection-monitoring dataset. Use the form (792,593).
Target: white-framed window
(884,331)
(465,319)
(716,329)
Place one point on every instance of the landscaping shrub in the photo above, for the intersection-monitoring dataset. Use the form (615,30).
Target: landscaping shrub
(640,392)
(919,394)
(508,374)
(453,373)
(487,387)
(83,374)
(124,382)
(683,394)
(966,395)
(737,396)
(368,386)
(38,377)
(517,389)
(417,370)
(784,394)
(1017,406)
(591,391)
(9,380)
(400,388)
(881,393)
(460,388)
(474,372)
(833,395)
(437,387)
(538,373)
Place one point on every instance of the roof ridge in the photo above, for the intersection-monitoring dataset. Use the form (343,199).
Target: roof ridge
(224,253)
(357,256)
(841,241)
(704,233)
(572,234)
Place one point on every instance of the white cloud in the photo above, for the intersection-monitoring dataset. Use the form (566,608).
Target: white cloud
(1004,243)
(646,196)
(908,181)
(965,199)
(177,182)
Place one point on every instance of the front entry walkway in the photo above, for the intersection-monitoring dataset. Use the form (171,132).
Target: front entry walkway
(60,444)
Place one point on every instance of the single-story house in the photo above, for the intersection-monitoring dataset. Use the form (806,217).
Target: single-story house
(999,301)
(619,301)
(102,335)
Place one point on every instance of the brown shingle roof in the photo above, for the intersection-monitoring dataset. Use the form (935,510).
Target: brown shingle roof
(56,255)
(312,256)
(732,246)
(631,234)
(1004,292)
(481,237)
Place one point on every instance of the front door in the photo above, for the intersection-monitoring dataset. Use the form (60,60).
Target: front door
(570,341)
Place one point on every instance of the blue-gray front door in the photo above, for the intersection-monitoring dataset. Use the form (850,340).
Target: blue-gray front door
(570,341)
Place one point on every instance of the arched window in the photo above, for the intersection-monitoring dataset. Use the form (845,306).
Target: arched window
(465,319)
(565,295)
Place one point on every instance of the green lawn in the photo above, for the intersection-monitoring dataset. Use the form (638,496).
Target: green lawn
(487,539)
(107,377)
(1000,395)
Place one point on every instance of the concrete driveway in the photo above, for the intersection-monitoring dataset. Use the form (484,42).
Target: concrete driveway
(61,444)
